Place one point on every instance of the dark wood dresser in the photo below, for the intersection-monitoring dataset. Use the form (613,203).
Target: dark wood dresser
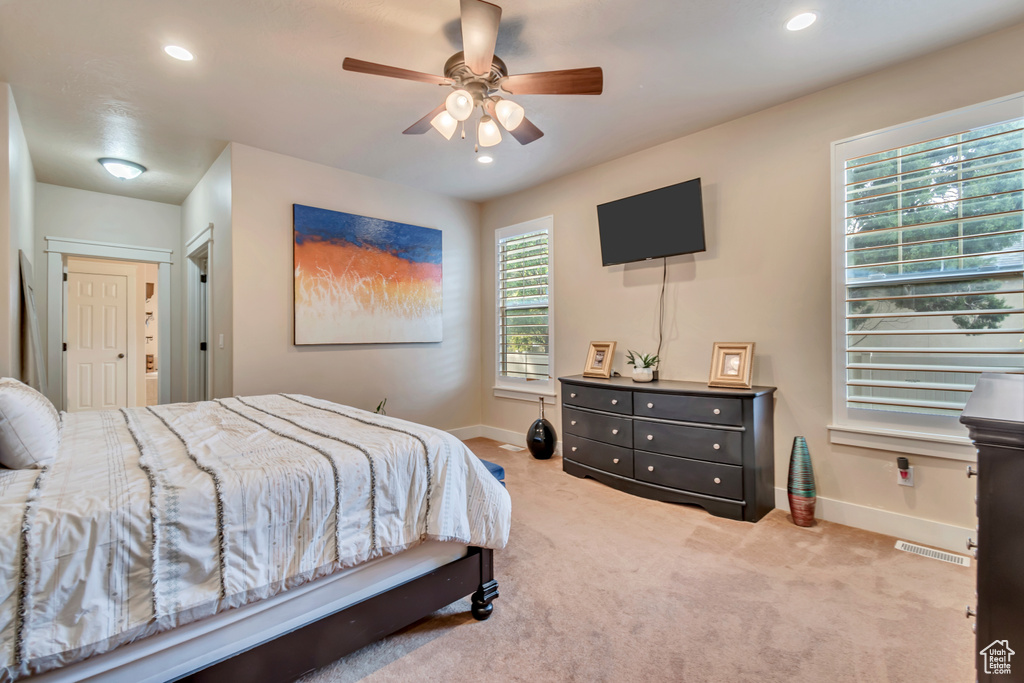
(995,417)
(680,442)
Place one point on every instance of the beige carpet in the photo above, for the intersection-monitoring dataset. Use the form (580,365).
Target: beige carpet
(597,585)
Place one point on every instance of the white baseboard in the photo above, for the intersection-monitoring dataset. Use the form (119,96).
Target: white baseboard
(502,435)
(915,529)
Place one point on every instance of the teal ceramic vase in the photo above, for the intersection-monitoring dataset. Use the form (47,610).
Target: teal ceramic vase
(802,494)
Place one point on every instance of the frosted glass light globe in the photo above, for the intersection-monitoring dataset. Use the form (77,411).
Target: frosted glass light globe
(459,104)
(509,114)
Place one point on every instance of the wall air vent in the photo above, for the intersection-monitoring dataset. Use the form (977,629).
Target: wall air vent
(961,560)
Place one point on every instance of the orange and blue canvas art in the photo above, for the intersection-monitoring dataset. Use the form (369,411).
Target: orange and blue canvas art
(361,280)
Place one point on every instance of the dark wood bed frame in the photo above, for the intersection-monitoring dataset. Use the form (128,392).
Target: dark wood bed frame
(321,642)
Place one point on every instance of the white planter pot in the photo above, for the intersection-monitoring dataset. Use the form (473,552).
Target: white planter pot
(643,374)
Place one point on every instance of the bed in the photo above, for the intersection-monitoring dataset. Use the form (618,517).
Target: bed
(252,536)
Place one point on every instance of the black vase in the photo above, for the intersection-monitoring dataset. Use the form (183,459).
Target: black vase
(541,438)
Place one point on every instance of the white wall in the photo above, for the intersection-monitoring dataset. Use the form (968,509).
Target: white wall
(437,384)
(17,186)
(766,274)
(81,214)
(210,202)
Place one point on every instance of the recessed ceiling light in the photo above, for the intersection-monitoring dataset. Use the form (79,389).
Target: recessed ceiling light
(119,168)
(801,21)
(485,159)
(179,53)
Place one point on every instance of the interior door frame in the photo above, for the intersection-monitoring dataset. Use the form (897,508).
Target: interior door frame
(57,250)
(135,339)
(199,247)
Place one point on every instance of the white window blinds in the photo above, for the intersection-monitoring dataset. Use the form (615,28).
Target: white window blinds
(524,351)
(934,256)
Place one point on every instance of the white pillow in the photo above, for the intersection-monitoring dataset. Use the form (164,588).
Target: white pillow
(29,426)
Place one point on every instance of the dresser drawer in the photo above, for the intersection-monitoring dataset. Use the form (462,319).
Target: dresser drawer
(710,409)
(602,456)
(716,445)
(713,479)
(607,428)
(598,399)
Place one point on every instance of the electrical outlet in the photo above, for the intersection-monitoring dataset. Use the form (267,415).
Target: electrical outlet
(908,480)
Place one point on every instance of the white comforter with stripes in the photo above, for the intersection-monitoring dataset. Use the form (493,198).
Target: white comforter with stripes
(153,517)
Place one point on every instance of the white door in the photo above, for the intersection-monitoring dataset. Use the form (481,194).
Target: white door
(97,341)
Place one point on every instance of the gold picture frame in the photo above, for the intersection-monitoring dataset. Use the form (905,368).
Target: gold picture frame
(599,359)
(732,364)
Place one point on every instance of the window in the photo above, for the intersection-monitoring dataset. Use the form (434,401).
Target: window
(524,310)
(929,237)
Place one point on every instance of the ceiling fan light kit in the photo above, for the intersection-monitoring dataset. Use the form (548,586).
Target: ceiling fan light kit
(510,114)
(487,133)
(445,124)
(479,77)
(460,105)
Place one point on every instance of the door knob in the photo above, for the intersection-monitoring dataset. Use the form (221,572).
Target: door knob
(120,355)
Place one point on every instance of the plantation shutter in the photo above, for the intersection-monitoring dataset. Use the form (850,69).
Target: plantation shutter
(523,284)
(934,256)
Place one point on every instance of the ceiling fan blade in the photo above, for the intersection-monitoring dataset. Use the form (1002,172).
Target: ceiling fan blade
(589,81)
(526,132)
(362,67)
(479,34)
(423,125)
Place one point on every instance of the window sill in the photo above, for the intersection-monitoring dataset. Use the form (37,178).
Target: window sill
(916,443)
(524,394)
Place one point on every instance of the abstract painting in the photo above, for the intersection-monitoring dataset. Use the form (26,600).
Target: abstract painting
(362,280)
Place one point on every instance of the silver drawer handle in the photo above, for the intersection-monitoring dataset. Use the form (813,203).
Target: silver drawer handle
(717,480)
(572,395)
(650,437)
(650,468)
(650,405)
(717,411)
(573,449)
(572,422)
(615,431)
(615,460)
(615,401)
(716,445)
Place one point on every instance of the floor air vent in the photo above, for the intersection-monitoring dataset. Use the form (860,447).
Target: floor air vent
(510,447)
(961,560)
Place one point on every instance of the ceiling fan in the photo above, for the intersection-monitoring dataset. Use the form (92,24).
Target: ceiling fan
(479,78)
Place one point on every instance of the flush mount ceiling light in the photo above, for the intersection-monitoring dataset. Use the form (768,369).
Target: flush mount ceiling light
(179,53)
(485,159)
(801,21)
(119,168)
(479,79)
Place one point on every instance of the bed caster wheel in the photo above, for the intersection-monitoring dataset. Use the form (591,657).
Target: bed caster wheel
(482,599)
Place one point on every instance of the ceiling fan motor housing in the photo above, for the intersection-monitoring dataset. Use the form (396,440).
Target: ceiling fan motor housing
(480,86)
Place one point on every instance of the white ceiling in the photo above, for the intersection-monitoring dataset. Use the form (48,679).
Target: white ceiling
(90,79)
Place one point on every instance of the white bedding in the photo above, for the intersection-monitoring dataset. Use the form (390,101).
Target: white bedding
(151,518)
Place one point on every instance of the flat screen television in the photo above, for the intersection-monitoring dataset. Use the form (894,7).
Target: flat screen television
(664,222)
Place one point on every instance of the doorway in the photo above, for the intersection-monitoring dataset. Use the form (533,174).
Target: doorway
(110,334)
(198,347)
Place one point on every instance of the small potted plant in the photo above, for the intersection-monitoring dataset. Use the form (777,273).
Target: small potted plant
(643,365)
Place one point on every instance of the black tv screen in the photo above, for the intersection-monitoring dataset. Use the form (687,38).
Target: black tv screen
(654,224)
